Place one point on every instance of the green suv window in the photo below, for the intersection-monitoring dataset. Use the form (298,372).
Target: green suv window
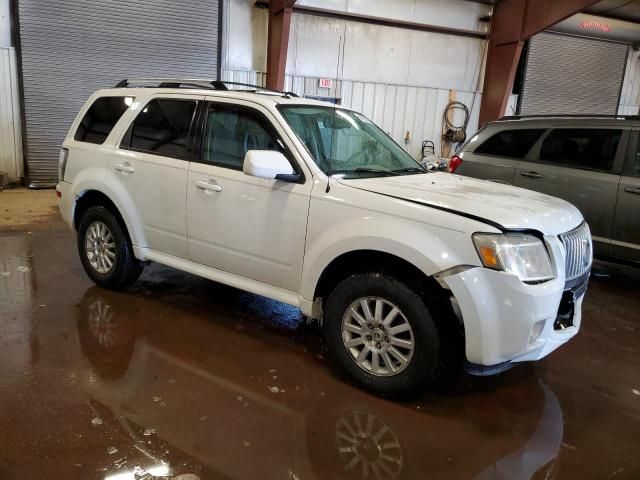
(591,148)
(510,143)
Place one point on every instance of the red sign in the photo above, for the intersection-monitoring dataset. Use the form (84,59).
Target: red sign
(601,27)
(324,83)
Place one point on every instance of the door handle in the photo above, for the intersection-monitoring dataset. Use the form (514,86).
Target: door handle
(208,187)
(635,190)
(125,167)
(531,174)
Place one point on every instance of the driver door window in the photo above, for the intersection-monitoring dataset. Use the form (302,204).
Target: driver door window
(231,133)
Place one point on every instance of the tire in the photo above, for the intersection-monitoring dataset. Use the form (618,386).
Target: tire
(423,360)
(125,268)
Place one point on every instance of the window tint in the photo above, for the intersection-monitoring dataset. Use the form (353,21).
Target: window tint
(231,133)
(163,127)
(510,143)
(584,148)
(633,164)
(102,116)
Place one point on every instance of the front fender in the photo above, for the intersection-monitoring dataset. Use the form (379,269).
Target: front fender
(430,249)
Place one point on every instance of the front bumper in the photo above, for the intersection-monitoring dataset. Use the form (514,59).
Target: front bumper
(506,320)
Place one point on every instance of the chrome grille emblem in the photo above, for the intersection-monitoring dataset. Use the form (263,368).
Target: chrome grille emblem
(578,251)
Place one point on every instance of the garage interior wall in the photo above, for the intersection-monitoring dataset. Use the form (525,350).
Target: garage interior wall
(572,75)
(402,79)
(70,49)
(630,95)
(10,139)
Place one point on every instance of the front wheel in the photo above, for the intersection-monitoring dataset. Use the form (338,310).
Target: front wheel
(105,249)
(381,334)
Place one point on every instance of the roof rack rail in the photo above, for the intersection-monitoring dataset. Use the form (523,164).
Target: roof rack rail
(569,115)
(221,85)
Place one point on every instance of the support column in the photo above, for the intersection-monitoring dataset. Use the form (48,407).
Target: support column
(278,42)
(512,22)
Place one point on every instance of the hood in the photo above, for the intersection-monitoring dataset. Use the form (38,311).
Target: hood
(493,203)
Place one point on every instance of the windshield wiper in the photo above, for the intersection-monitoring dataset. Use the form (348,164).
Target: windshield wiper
(363,170)
(410,170)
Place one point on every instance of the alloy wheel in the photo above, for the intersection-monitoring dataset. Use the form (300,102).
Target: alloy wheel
(100,247)
(378,336)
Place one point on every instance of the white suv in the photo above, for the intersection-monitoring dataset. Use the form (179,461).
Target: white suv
(315,206)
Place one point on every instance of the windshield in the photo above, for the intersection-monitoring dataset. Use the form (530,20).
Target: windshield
(347,143)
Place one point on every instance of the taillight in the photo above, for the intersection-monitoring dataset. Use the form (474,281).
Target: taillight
(454,163)
(62,163)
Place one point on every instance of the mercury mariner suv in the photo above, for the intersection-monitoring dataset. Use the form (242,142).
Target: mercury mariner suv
(315,206)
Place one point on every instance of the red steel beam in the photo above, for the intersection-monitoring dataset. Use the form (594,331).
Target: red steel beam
(278,42)
(512,22)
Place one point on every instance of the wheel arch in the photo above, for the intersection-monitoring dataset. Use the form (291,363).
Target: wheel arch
(93,197)
(374,261)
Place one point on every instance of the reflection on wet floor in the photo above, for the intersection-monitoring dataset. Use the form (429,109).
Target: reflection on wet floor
(184,378)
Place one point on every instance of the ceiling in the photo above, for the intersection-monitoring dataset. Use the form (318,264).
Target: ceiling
(628,10)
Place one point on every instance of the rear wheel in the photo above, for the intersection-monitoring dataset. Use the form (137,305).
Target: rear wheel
(105,249)
(381,334)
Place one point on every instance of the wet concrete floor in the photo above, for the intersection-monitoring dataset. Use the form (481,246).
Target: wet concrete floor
(186,378)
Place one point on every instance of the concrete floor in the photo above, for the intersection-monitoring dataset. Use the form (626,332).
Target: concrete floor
(186,376)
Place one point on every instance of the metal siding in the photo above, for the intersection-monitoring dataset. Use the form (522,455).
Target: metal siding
(567,74)
(630,97)
(69,49)
(395,108)
(10,138)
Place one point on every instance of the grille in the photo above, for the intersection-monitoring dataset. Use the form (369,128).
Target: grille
(579,253)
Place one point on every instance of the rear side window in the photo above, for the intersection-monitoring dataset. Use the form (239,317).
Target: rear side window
(510,143)
(162,128)
(590,148)
(102,116)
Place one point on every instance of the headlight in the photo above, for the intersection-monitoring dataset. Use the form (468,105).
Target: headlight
(517,253)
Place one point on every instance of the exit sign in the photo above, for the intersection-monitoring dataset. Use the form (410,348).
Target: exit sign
(324,83)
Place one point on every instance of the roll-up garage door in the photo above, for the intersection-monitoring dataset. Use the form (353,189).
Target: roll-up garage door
(572,75)
(71,48)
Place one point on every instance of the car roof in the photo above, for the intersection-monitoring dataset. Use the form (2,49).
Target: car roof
(266,98)
(547,121)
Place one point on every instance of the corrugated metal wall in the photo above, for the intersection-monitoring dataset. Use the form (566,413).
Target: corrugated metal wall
(10,138)
(70,48)
(396,108)
(630,95)
(575,75)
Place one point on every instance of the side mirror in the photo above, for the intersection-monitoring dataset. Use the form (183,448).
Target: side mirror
(268,164)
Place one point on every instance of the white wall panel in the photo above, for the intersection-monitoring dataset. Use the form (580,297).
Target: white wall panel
(10,135)
(403,10)
(630,95)
(445,61)
(245,35)
(451,13)
(5,24)
(444,13)
(373,53)
(379,54)
(314,45)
